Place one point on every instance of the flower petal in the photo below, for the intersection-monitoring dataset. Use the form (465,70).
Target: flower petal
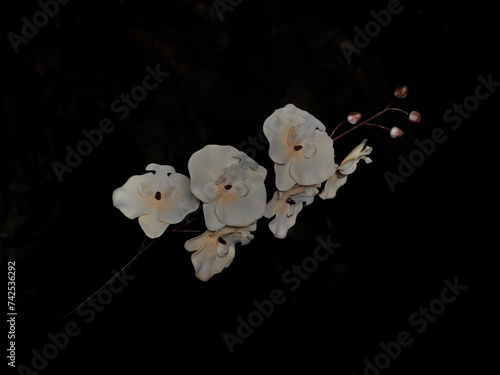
(243,230)
(277,128)
(282,223)
(273,205)
(239,212)
(317,169)
(207,262)
(309,150)
(128,200)
(211,220)
(196,243)
(332,185)
(205,166)
(175,208)
(349,164)
(151,225)
(284,180)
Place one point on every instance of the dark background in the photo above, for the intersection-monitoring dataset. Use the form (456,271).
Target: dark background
(226,77)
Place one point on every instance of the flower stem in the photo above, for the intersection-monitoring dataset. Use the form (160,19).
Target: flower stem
(338,126)
(141,250)
(367,121)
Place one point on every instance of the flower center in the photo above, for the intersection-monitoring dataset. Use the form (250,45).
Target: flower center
(158,196)
(236,174)
(290,201)
(297,148)
(222,240)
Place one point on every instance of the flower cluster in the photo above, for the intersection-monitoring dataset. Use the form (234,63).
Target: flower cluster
(230,185)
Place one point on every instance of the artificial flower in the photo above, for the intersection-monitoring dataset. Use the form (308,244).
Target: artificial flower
(230,184)
(158,199)
(301,149)
(286,206)
(348,166)
(214,251)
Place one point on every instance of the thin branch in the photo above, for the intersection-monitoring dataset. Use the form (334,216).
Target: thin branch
(141,250)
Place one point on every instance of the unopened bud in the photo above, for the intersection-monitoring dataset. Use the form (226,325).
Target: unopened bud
(414,116)
(396,132)
(354,117)
(401,92)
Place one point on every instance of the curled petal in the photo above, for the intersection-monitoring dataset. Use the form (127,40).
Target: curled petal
(282,222)
(309,150)
(332,185)
(349,164)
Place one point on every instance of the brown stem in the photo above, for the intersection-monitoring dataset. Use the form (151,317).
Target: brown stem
(365,122)
(141,250)
(338,126)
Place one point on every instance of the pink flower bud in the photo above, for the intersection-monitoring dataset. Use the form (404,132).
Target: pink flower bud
(354,117)
(414,116)
(401,92)
(396,132)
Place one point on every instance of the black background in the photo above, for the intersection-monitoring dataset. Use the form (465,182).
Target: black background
(226,77)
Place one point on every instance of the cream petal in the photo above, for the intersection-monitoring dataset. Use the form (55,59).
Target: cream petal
(282,223)
(320,167)
(196,243)
(234,211)
(165,169)
(243,230)
(355,152)
(262,172)
(128,200)
(212,222)
(150,224)
(332,185)
(305,197)
(277,128)
(207,263)
(183,202)
(349,164)
(273,205)
(309,150)
(223,249)
(205,166)
(284,180)
(241,189)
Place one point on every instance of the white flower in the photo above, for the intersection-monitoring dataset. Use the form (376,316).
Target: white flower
(286,206)
(214,251)
(300,147)
(158,199)
(230,185)
(348,166)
